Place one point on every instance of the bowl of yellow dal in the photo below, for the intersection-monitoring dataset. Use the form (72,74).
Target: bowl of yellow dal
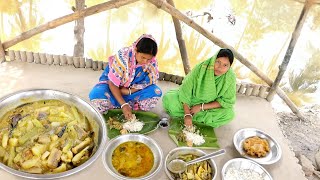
(132,156)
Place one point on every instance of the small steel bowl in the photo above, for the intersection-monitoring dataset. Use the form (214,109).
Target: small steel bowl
(243,164)
(174,153)
(275,151)
(164,124)
(115,142)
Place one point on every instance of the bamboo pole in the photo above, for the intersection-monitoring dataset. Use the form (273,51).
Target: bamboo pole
(2,53)
(287,57)
(177,14)
(182,45)
(68,18)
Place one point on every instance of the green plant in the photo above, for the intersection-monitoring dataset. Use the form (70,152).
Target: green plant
(302,84)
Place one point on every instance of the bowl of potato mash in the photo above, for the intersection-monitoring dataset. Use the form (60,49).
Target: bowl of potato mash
(46,134)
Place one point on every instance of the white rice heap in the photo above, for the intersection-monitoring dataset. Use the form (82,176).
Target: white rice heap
(196,138)
(133,125)
(242,174)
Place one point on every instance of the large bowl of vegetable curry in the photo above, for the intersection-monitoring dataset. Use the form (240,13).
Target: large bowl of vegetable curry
(46,134)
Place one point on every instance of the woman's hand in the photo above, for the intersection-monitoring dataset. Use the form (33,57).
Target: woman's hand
(127,112)
(124,91)
(188,121)
(195,109)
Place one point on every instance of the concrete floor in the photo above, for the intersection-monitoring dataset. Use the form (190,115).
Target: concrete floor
(250,112)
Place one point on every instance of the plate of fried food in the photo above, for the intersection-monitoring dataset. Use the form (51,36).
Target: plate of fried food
(142,122)
(257,145)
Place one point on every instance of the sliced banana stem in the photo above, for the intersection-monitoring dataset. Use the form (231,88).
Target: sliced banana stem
(76,159)
(54,158)
(80,146)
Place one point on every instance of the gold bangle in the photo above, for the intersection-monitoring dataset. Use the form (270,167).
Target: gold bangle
(187,115)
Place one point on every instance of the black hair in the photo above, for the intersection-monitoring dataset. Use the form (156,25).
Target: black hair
(147,46)
(226,53)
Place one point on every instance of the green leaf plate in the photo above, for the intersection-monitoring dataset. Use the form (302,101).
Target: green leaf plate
(150,120)
(211,141)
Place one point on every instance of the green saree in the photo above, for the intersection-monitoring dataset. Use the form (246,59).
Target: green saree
(202,86)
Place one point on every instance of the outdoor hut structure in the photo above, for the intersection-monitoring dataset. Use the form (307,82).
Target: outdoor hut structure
(251,99)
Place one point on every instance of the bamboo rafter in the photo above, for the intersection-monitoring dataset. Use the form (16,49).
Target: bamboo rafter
(2,53)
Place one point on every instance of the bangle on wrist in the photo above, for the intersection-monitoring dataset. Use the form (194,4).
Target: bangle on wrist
(202,107)
(129,91)
(124,104)
(187,115)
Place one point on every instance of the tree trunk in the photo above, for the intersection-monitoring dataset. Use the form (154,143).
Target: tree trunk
(293,41)
(182,45)
(78,49)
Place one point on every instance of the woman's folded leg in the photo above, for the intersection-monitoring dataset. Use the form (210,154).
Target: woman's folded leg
(146,98)
(172,104)
(101,97)
(215,117)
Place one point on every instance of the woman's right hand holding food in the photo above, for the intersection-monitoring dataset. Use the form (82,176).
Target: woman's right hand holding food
(188,120)
(127,111)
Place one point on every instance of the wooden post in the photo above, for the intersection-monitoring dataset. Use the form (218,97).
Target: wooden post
(65,19)
(182,45)
(177,14)
(2,53)
(293,41)
(78,49)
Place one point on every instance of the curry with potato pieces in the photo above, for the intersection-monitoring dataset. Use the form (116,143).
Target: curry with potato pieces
(45,137)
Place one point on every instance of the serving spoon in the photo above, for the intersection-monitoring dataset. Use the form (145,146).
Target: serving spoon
(178,166)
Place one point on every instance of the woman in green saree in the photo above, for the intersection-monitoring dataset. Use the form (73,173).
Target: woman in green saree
(207,94)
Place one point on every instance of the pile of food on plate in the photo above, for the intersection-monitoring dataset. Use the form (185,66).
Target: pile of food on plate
(248,174)
(47,136)
(191,135)
(201,170)
(256,146)
(125,126)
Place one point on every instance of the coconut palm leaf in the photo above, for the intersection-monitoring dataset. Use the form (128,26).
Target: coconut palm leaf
(101,53)
(315,17)
(197,47)
(168,62)
(22,16)
(270,70)
(238,69)
(302,84)
(191,4)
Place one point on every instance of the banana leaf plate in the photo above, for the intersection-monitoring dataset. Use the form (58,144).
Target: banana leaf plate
(211,141)
(149,119)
